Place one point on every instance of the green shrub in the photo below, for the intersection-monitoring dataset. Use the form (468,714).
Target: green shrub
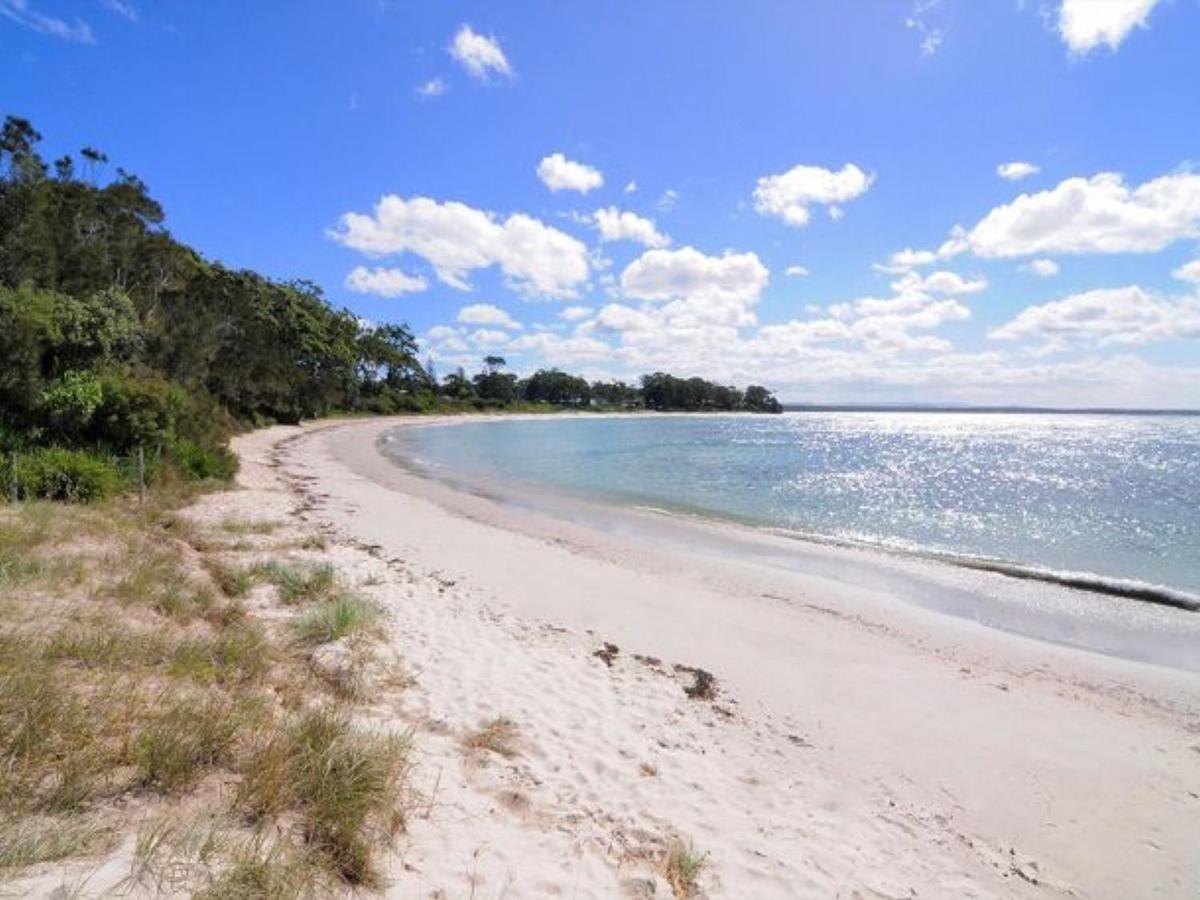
(204,462)
(58,474)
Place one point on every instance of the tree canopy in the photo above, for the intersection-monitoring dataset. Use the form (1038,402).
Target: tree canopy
(113,334)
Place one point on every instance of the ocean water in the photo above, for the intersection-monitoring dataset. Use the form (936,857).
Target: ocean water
(1113,500)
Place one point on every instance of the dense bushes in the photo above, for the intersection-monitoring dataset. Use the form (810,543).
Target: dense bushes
(200,462)
(55,473)
(116,338)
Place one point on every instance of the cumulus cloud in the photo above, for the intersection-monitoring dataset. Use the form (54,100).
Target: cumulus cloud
(488,337)
(795,271)
(455,239)
(1125,315)
(667,201)
(1101,214)
(480,55)
(631,187)
(1015,171)
(1043,268)
(789,195)
(487,314)
(622,225)
(561,174)
(1085,25)
(1189,271)
(903,260)
(23,13)
(942,282)
(688,274)
(575,313)
(384,282)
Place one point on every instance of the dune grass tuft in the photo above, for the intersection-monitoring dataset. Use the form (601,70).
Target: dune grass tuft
(682,869)
(498,736)
(298,582)
(181,743)
(341,616)
(348,788)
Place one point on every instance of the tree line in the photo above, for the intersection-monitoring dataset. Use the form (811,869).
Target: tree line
(493,387)
(116,336)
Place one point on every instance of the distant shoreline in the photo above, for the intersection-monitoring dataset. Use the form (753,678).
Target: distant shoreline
(1033,410)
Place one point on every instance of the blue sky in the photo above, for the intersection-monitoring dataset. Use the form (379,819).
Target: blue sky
(624,187)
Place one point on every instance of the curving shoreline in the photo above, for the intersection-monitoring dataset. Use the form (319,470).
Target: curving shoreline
(890,745)
(1094,613)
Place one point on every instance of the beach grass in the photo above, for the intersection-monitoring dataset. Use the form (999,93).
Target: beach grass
(130,670)
(343,615)
(683,867)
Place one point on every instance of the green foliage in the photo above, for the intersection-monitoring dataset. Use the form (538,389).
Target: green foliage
(666,392)
(69,403)
(117,336)
(204,462)
(58,474)
(559,388)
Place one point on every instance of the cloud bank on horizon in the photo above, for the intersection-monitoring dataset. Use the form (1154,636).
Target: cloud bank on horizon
(898,246)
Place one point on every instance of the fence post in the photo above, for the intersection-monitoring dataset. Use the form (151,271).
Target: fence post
(141,470)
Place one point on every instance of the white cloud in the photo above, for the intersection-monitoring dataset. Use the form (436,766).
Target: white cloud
(561,174)
(1101,214)
(903,260)
(121,8)
(942,282)
(1043,268)
(479,55)
(631,187)
(1189,271)
(455,239)
(617,225)
(667,201)
(616,317)
(1126,315)
(795,271)
(488,337)
(688,274)
(383,282)
(790,195)
(487,314)
(575,313)
(931,35)
(1084,25)
(23,13)
(434,87)
(1015,171)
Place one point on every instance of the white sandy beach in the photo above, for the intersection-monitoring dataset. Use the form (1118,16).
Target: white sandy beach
(857,746)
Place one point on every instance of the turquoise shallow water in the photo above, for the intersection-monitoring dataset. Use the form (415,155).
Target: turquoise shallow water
(1115,497)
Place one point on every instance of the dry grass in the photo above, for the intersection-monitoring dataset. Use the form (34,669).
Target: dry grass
(247,526)
(129,668)
(350,789)
(497,736)
(682,869)
(298,582)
